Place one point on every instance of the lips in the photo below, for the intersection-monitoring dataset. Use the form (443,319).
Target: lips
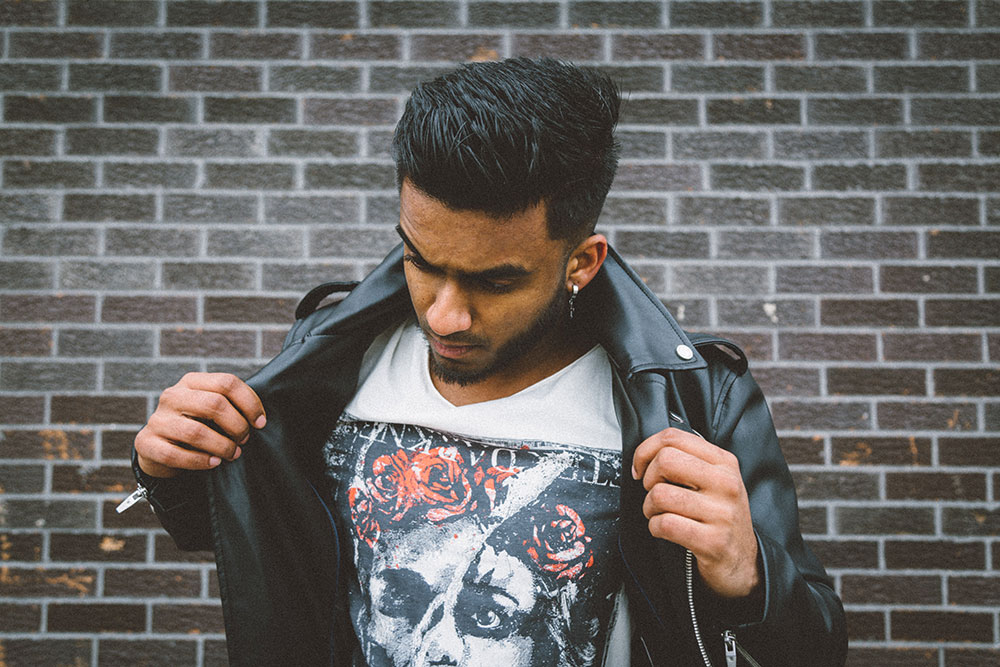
(450,350)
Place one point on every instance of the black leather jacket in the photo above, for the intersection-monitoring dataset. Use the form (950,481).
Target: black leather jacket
(276,544)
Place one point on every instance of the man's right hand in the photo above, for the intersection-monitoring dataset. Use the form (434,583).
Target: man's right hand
(176,438)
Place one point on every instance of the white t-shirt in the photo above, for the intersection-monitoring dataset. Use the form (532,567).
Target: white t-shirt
(482,534)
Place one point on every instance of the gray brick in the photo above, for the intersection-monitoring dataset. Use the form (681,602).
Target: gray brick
(111,141)
(323,209)
(722,211)
(957,46)
(962,312)
(29,13)
(666,177)
(861,46)
(26,275)
(385,79)
(987,13)
(209,208)
(312,143)
(870,111)
(380,141)
(156,46)
(250,175)
(932,143)
(762,177)
(930,211)
(150,174)
(615,15)
(813,79)
(456,47)
(968,244)
(768,312)
(658,111)
(721,78)
(216,142)
(954,111)
(27,142)
(813,145)
(671,46)
(249,309)
(801,14)
(961,178)
(720,279)
(64,44)
(30,77)
(814,279)
(114,77)
(759,46)
(921,79)
(215,78)
(299,277)
(256,46)
(633,211)
(111,13)
(212,14)
(48,109)
(209,275)
(250,242)
(825,211)
(50,242)
(107,275)
(47,308)
(647,244)
(105,342)
(988,78)
(361,46)
(827,346)
(27,208)
(576,47)
(514,14)
(55,174)
(312,15)
(884,313)
(708,145)
(123,208)
(760,244)
(929,279)
(374,111)
(48,514)
(920,13)
(47,376)
(126,109)
(249,110)
(361,175)
(870,245)
(754,111)
(352,243)
(716,14)
(208,343)
(642,144)
(309,78)
(382,210)
(144,242)
(148,309)
(690,312)
(148,376)
(426,14)
(859,177)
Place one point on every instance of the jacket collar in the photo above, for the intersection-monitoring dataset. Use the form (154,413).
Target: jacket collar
(617,308)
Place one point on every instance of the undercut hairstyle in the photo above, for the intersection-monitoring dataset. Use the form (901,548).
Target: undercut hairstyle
(498,137)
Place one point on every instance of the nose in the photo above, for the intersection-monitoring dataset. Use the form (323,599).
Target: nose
(450,312)
(441,644)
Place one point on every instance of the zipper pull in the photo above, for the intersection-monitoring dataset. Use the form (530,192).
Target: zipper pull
(140,493)
(730,641)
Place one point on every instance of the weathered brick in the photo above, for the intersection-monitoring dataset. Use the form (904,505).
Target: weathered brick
(111,141)
(753,111)
(402,79)
(941,626)
(794,415)
(931,212)
(926,416)
(866,626)
(21,479)
(312,15)
(250,309)
(957,45)
(188,618)
(150,109)
(97,409)
(890,589)
(30,77)
(47,376)
(27,208)
(110,13)
(798,451)
(142,376)
(101,617)
(62,44)
(208,342)
(25,342)
(931,347)
(209,275)
(860,381)
(966,381)
(642,14)
(969,450)
(114,77)
(133,241)
(27,142)
(323,209)
(876,245)
(249,176)
(309,78)
(923,144)
(352,243)
(154,45)
(219,142)
(945,111)
(456,47)
(667,177)
(868,111)
(843,553)
(713,78)
(756,177)
(107,275)
(720,279)
(21,617)
(214,78)
(672,46)
(141,583)
(923,79)
(861,46)
(35,174)
(984,245)
(813,521)
(935,486)
(662,244)
(96,547)
(367,175)
(758,46)
(621,210)
(869,312)
(25,275)
(716,14)
(659,111)
(877,451)
(928,279)
(880,520)
(209,208)
(370,111)
(104,342)
(577,47)
(36,582)
(812,78)
(823,279)
(760,244)
(300,277)
(148,309)
(708,145)
(37,514)
(723,211)
(971,657)
(859,177)
(981,591)
(840,484)
(29,13)
(146,652)
(47,308)
(805,13)
(245,242)
(828,346)
(767,312)
(312,143)
(22,409)
(210,14)
(117,443)
(350,46)
(249,110)
(410,14)
(962,312)
(150,174)
(514,14)
(923,13)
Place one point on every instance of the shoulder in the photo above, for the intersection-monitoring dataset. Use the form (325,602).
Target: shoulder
(721,351)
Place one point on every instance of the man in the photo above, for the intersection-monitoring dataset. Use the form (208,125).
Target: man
(499,447)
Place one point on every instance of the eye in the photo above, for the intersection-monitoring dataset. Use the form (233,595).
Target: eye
(486,619)
(417,263)
(495,287)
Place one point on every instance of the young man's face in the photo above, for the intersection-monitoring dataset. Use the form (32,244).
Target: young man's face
(490,295)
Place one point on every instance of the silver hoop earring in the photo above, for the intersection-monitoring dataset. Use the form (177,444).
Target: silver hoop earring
(572,300)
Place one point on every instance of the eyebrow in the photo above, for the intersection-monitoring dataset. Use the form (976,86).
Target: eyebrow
(500,272)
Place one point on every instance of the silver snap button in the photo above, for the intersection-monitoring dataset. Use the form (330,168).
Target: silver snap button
(684,352)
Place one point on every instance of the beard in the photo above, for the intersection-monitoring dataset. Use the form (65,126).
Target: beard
(550,319)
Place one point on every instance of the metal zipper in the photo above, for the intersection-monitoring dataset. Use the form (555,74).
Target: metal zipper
(689,580)
(140,493)
(732,647)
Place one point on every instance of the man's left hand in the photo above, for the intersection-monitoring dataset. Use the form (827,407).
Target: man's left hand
(696,498)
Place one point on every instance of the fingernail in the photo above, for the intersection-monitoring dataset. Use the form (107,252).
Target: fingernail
(214,461)
(238,454)
(245,438)
(635,473)
(260,422)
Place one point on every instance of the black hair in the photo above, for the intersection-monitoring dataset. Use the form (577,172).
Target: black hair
(501,136)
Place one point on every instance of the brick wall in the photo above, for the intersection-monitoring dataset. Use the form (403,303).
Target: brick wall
(816,180)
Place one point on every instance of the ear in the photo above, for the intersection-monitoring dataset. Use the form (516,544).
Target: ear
(585,260)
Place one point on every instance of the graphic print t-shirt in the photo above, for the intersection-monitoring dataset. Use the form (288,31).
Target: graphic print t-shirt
(481,534)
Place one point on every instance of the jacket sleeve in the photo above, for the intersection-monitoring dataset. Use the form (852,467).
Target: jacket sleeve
(795,618)
(181,505)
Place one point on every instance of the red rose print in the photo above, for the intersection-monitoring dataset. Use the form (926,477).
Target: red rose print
(392,485)
(365,525)
(559,543)
(441,482)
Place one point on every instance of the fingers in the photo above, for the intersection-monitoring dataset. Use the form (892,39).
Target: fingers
(161,458)
(680,457)
(235,390)
(666,498)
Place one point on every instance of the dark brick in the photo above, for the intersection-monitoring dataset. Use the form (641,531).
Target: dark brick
(295,78)
(984,245)
(845,553)
(141,583)
(875,520)
(757,346)
(813,521)
(26,342)
(931,347)
(130,521)
(22,409)
(157,46)
(150,174)
(929,279)
(249,175)
(866,626)
(105,343)
(312,143)
(312,15)
(810,14)
(826,211)
(97,617)
(21,479)
(29,13)
(988,78)
(801,78)
(117,444)
(926,416)
(211,143)
(987,13)
(257,46)
(862,381)
(299,277)
(214,78)
(111,141)
(62,583)
(827,346)
(48,109)
(110,13)
(614,15)
(249,110)
(957,45)
(34,174)
(209,275)
(962,312)
(753,111)
(758,46)
(920,13)
(799,451)
(114,77)
(352,243)
(119,208)
(27,208)
(142,376)
(452,48)
(30,77)
(890,589)
(722,211)
(382,209)
(427,14)
(813,279)
(841,485)
(802,416)
(981,591)
(662,244)
(27,142)
(726,280)
(152,242)
(941,626)
(47,514)
(673,46)
(949,111)
(208,343)
(352,46)
(47,376)
(46,308)
(861,46)
(330,209)
(878,451)
(374,111)
(971,657)
(514,14)
(935,486)
(578,47)
(21,618)
(659,111)
(127,109)
(766,313)
(24,275)
(98,409)
(921,79)
(370,175)
(710,78)
(676,177)
(154,653)
(875,245)
(243,242)
(966,381)
(761,244)
(634,211)
(969,451)
(97,547)
(212,14)
(757,177)
(854,111)
(708,145)
(149,309)
(859,177)
(210,208)
(715,14)
(932,212)
(250,309)
(62,44)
